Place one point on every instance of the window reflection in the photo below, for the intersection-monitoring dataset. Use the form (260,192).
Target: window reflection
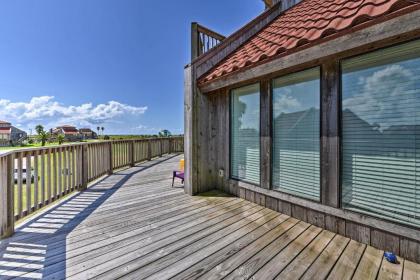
(381,133)
(245,134)
(296,134)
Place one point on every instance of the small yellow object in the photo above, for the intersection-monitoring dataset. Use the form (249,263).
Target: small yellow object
(181,164)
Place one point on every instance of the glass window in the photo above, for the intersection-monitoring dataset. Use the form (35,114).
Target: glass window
(381,133)
(245,134)
(296,134)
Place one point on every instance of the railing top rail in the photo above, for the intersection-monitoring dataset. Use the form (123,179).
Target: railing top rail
(209,32)
(46,148)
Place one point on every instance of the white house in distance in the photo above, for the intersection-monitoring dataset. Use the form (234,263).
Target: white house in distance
(10,135)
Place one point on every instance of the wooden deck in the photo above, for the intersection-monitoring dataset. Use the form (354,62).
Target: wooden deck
(134,225)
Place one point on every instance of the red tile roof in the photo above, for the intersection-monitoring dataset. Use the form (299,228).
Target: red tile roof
(5,130)
(70,130)
(304,24)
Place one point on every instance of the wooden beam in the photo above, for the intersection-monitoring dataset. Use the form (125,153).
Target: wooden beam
(209,32)
(194,41)
(330,140)
(265,133)
(7,217)
(189,151)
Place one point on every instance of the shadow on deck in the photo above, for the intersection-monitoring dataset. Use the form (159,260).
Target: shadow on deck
(40,247)
(133,225)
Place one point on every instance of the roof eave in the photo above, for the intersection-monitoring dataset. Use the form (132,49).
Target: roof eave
(382,28)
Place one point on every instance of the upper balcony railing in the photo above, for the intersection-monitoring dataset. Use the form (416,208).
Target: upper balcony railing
(33,178)
(203,40)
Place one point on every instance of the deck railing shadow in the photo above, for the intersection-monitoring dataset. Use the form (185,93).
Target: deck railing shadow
(42,243)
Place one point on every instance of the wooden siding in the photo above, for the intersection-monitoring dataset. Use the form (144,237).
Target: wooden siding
(359,230)
(106,232)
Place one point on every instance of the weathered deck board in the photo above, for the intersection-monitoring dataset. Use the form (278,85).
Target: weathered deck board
(133,225)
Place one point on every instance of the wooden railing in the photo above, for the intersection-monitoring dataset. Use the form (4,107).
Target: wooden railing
(203,40)
(33,178)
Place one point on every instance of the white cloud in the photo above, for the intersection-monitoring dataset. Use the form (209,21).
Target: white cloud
(140,126)
(147,129)
(286,103)
(49,112)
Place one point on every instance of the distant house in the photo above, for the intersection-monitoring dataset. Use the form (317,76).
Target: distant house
(10,135)
(70,133)
(88,133)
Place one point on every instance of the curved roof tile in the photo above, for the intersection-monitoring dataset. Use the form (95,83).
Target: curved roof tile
(304,23)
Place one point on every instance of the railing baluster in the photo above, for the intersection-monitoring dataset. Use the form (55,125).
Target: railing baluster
(73,169)
(68,174)
(64,170)
(19,185)
(36,175)
(60,173)
(96,159)
(28,183)
(42,177)
(49,177)
(79,167)
(54,168)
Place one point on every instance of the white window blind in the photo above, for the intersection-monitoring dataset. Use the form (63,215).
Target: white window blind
(245,134)
(381,133)
(296,134)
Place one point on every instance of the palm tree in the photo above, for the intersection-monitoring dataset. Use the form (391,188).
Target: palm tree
(102,128)
(39,128)
(60,139)
(43,137)
(98,129)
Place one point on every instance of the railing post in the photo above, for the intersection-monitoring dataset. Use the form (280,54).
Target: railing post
(110,159)
(194,41)
(131,152)
(85,166)
(6,196)
(149,149)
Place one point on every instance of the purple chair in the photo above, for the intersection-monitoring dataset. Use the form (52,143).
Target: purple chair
(177,174)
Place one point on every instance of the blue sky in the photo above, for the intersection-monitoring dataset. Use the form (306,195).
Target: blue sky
(114,63)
